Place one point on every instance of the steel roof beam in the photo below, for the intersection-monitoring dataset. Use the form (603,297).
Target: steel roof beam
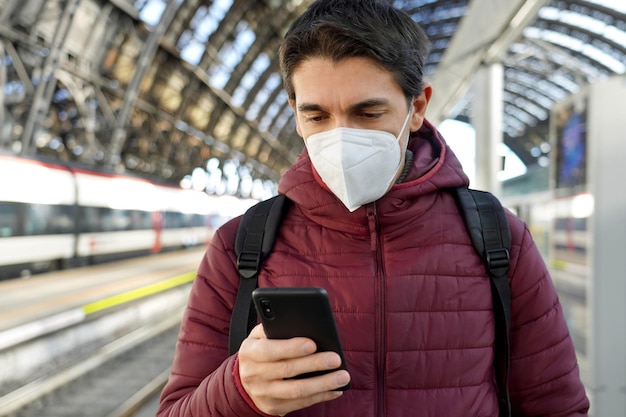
(483,35)
(144,61)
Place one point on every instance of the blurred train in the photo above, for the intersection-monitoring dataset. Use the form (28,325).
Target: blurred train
(560,222)
(55,217)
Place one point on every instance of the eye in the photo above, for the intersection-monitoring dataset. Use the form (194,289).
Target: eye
(370,115)
(314,118)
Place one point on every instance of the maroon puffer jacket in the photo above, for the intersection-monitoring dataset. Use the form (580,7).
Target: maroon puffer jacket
(411,299)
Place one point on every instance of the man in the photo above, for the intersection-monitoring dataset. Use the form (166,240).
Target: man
(374,223)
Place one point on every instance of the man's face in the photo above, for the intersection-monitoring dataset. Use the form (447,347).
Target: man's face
(355,93)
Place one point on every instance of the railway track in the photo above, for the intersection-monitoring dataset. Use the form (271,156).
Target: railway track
(115,381)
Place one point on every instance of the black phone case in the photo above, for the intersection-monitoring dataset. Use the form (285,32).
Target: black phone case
(288,312)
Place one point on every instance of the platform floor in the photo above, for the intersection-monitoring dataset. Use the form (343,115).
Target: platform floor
(25,301)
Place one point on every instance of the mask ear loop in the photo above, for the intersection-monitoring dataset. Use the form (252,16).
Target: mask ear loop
(404,125)
(400,161)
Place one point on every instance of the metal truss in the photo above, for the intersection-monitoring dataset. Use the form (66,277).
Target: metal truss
(109,84)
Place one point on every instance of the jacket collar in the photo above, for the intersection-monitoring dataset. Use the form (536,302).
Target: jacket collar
(434,167)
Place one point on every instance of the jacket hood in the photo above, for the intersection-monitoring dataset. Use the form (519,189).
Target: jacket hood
(434,167)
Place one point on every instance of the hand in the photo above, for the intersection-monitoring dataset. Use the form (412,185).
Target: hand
(265,365)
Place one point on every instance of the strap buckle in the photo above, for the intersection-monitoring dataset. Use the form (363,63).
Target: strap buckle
(248,263)
(498,258)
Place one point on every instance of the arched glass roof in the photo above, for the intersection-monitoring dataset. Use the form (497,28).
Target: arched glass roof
(160,87)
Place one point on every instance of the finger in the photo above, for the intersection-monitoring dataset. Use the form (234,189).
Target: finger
(294,389)
(258,332)
(290,368)
(298,346)
(276,407)
(281,397)
(252,369)
(255,372)
(273,350)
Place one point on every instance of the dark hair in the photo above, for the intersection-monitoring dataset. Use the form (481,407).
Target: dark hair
(340,29)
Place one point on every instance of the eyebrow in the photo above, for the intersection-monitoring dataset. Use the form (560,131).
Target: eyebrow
(309,107)
(372,102)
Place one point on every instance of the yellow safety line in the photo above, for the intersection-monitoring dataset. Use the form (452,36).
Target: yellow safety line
(138,293)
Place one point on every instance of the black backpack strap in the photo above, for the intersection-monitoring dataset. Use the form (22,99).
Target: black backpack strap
(254,241)
(488,228)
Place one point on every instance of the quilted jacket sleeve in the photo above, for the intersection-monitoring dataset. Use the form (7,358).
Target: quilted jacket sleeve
(201,381)
(544,378)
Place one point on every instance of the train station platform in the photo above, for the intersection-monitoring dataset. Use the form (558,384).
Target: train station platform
(44,303)
(52,321)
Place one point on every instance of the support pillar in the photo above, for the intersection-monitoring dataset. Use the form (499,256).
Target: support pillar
(3,82)
(487,115)
(606,338)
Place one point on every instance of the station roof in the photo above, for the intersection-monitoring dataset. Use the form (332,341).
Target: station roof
(160,87)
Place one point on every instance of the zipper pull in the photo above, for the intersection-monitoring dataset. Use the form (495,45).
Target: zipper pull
(372,225)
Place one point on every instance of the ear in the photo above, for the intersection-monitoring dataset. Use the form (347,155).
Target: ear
(420,103)
(292,104)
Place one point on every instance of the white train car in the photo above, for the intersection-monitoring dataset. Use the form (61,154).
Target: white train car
(54,217)
(115,215)
(187,217)
(37,208)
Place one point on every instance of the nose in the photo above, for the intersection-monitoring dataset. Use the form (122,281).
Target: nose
(342,121)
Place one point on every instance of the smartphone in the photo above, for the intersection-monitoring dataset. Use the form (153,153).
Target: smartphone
(287,312)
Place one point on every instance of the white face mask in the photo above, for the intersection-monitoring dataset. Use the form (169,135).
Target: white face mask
(358,165)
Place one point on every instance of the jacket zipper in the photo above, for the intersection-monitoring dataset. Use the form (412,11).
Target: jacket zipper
(381,331)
